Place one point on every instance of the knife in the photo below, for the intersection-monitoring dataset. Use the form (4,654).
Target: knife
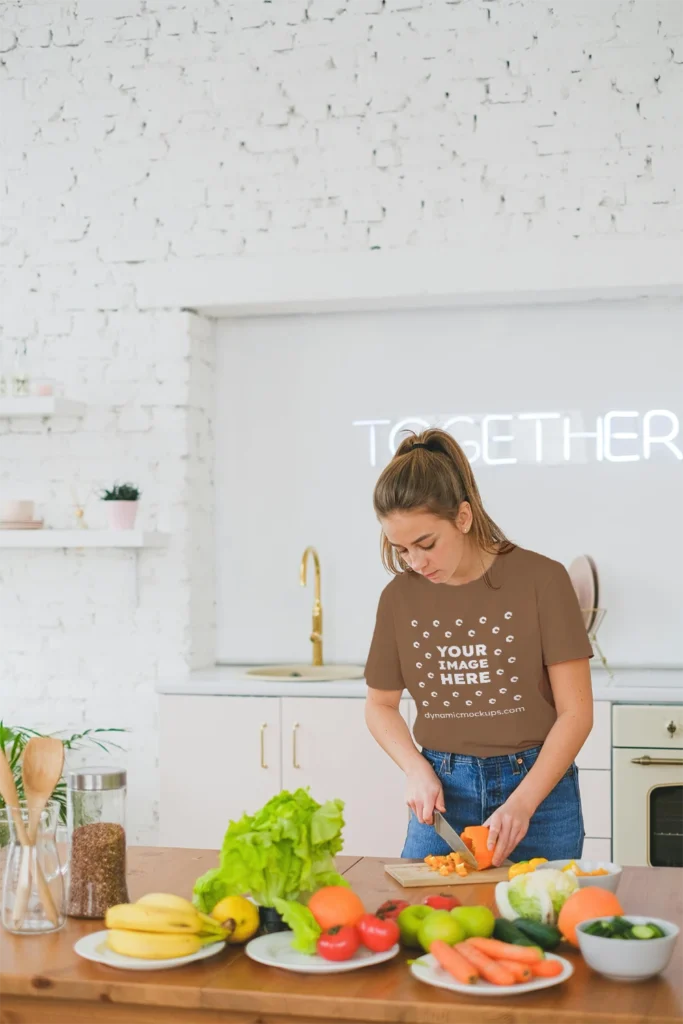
(456,844)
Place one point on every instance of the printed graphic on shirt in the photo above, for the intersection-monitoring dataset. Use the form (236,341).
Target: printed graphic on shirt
(475,657)
(465,665)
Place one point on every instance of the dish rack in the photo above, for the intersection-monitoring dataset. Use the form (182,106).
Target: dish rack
(593,618)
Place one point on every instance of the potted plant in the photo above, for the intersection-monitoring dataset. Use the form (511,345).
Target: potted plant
(14,738)
(122,506)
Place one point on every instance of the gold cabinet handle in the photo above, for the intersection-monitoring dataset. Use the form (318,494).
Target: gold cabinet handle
(294,755)
(647,760)
(264,726)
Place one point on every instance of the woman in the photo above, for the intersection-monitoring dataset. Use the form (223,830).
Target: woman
(489,640)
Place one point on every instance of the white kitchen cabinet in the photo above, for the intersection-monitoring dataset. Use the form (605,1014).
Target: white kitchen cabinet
(595,762)
(596,800)
(597,750)
(220,756)
(597,849)
(223,755)
(326,745)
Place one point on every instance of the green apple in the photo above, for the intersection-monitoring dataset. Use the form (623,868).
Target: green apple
(477,921)
(409,921)
(440,925)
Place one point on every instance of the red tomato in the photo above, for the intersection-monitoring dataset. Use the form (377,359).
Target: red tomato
(441,902)
(378,934)
(339,943)
(390,909)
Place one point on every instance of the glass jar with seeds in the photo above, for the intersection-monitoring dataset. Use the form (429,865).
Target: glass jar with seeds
(96,814)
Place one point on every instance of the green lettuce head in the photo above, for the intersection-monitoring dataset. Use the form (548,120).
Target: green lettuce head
(283,851)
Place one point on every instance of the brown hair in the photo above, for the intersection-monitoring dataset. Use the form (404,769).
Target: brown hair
(435,476)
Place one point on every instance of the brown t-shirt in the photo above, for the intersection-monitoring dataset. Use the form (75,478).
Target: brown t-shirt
(474,658)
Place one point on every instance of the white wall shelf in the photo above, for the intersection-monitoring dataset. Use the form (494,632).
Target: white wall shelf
(82,539)
(413,278)
(39,406)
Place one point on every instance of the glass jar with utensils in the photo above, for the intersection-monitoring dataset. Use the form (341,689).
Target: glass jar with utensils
(33,887)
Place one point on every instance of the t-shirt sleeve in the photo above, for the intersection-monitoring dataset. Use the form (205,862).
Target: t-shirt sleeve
(383,667)
(563,631)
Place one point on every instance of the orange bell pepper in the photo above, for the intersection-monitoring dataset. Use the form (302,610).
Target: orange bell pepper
(475,837)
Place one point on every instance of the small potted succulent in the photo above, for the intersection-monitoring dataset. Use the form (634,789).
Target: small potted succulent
(122,506)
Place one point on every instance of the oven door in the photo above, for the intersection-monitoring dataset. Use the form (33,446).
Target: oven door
(647,807)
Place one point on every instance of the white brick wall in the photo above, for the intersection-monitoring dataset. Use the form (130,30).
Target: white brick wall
(152,130)
(84,635)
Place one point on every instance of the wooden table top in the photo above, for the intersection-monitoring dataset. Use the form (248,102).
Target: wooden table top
(42,979)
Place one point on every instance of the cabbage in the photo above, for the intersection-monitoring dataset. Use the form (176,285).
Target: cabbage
(538,896)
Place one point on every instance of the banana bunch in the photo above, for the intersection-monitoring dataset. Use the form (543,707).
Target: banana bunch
(160,926)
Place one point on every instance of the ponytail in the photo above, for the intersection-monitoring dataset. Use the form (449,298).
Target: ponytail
(431,472)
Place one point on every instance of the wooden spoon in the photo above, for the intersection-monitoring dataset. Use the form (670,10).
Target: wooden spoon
(41,768)
(9,794)
(42,764)
(11,798)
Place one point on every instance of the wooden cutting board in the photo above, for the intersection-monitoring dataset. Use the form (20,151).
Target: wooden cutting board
(410,876)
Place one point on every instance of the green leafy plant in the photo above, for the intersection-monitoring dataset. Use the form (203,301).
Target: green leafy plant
(13,740)
(121,492)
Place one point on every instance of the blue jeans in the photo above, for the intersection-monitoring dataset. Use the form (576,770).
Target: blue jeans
(474,787)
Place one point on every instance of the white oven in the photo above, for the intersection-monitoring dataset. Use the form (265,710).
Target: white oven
(647,784)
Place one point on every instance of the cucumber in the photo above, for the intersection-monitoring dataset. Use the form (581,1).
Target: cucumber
(599,928)
(544,935)
(620,926)
(506,931)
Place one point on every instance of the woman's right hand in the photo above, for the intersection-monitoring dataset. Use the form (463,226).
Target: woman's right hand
(424,793)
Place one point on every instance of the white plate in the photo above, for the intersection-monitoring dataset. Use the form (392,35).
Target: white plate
(276,951)
(584,577)
(94,947)
(427,970)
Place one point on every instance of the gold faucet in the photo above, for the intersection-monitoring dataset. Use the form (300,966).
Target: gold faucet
(317,628)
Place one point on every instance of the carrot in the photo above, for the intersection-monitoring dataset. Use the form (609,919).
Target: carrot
(490,970)
(451,960)
(506,951)
(546,968)
(521,972)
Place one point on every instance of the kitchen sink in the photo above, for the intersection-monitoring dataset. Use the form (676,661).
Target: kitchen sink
(306,673)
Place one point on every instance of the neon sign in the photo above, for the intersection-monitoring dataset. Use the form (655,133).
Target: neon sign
(552,438)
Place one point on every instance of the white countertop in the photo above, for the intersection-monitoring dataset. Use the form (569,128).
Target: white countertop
(629,686)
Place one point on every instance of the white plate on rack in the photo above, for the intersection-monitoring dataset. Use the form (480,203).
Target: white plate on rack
(584,577)
(94,947)
(426,969)
(276,951)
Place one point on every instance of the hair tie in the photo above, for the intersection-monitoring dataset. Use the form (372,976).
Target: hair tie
(419,444)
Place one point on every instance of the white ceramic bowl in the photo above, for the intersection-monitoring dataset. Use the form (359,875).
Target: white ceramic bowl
(609,882)
(632,959)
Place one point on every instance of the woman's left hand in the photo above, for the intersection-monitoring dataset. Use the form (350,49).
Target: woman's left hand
(507,827)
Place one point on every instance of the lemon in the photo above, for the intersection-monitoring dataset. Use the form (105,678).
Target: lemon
(238,916)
